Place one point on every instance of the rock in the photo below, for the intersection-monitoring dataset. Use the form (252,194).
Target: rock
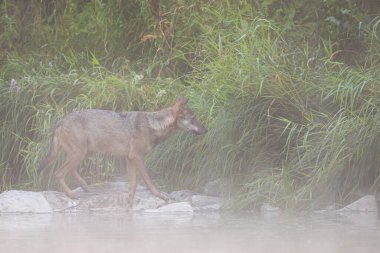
(328,209)
(107,201)
(105,197)
(183,195)
(59,202)
(24,202)
(147,203)
(208,208)
(367,203)
(217,188)
(180,207)
(268,208)
(202,200)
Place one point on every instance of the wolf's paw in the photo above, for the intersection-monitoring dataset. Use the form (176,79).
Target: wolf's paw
(164,196)
(72,195)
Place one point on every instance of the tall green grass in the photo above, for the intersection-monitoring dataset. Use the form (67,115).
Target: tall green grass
(281,130)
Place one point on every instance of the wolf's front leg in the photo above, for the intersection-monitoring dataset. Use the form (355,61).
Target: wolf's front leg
(141,168)
(132,179)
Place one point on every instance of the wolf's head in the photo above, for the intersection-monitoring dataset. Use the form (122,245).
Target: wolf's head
(186,118)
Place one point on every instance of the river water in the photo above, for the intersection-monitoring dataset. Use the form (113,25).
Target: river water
(198,233)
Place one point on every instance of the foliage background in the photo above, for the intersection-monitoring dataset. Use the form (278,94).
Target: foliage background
(289,91)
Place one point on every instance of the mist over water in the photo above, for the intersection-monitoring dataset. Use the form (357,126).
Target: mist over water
(126,232)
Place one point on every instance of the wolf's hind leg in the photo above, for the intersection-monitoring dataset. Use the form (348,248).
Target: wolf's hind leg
(80,180)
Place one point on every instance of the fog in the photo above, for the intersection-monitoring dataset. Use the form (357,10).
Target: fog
(139,232)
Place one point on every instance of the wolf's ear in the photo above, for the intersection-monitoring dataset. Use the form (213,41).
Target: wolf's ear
(181,101)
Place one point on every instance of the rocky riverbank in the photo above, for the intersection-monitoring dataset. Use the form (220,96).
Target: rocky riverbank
(105,197)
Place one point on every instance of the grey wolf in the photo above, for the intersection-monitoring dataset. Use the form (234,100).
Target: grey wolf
(128,134)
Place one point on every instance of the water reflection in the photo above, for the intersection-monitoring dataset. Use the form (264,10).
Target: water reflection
(125,232)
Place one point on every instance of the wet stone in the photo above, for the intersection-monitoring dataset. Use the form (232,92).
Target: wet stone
(208,208)
(268,208)
(183,195)
(203,200)
(59,202)
(367,203)
(141,204)
(24,202)
(180,207)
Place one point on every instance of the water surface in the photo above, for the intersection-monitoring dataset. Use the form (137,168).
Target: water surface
(199,233)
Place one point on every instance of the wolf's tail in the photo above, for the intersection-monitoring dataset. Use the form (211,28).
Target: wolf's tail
(53,152)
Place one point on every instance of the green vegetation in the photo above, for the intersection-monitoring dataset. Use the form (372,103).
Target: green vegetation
(289,91)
